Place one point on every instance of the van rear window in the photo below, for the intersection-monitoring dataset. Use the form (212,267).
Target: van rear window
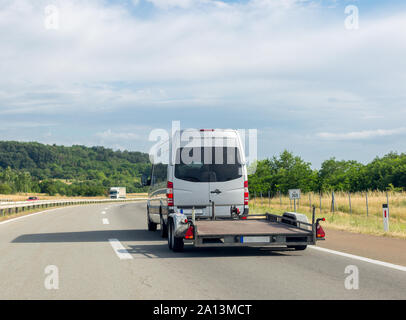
(208,164)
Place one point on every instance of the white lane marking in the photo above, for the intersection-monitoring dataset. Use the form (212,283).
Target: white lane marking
(103,212)
(118,248)
(352,256)
(106,221)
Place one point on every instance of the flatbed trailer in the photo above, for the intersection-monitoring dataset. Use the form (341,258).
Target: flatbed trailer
(266,230)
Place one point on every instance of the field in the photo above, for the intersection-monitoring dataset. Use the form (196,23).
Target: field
(344,218)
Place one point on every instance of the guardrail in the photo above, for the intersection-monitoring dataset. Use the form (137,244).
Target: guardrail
(7,208)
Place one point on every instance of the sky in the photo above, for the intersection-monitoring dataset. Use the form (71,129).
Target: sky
(300,72)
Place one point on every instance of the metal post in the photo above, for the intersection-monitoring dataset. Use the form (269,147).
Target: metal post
(212,211)
(366,199)
(349,199)
(269,198)
(294,201)
(193,215)
(320,200)
(332,202)
(313,226)
(387,202)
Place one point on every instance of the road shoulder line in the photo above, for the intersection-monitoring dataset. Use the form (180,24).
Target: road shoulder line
(353,256)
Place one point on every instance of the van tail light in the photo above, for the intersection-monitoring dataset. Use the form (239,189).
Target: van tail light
(169,193)
(189,233)
(246,193)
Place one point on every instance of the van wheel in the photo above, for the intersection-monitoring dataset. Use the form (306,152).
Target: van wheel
(164,228)
(298,248)
(174,243)
(151,225)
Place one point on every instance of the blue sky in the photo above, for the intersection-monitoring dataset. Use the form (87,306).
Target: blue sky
(115,70)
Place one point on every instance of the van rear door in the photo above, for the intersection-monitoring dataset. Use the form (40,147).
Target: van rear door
(190,185)
(226,181)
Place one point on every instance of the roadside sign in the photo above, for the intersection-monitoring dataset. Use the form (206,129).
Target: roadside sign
(385,217)
(294,194)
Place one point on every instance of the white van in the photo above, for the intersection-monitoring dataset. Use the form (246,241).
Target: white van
(201,170)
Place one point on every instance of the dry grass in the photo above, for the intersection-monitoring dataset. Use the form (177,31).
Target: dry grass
(355,220)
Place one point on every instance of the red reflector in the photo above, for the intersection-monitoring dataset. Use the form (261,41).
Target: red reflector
(244,218)
(189,233)
(320,232)
(245,184)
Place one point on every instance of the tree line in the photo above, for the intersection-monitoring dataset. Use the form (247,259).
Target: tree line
(287,171)
(91,171)
(71,171)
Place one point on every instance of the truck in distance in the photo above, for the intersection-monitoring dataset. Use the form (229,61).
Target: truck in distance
(117,193)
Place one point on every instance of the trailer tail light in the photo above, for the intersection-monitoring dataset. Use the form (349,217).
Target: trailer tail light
(169,193)
(190,233)
(246,193)
(320,232)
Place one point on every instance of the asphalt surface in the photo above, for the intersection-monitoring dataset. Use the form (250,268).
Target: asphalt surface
(76,241)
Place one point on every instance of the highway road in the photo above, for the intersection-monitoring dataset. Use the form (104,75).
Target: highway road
(105,252)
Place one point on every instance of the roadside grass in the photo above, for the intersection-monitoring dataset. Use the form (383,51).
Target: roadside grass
(355,220)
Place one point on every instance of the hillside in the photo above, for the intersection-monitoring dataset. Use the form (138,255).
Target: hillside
(36,167)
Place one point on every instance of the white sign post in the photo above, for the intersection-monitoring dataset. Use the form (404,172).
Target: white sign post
(293,195)
(385,217)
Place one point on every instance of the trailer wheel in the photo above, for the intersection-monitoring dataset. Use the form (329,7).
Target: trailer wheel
(298,248)
(151,225)
(174,243)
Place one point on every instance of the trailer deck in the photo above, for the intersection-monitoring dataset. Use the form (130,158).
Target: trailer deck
(256,230)
(246,228)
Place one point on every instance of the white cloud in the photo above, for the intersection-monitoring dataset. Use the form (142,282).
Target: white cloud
(111,135)
(361,135)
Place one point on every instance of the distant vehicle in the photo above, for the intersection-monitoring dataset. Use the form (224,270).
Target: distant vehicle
(117,193)
(32,198)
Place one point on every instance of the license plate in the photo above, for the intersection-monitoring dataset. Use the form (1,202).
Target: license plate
(189,211)
(253,239)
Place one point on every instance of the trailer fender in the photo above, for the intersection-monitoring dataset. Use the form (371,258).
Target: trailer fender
(180,223)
